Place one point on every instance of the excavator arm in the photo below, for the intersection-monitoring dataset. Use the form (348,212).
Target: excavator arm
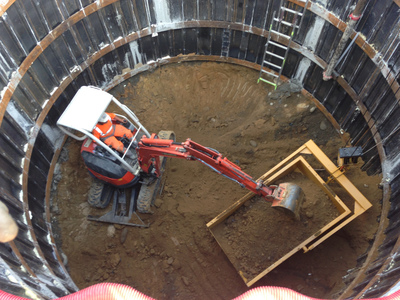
(286,195)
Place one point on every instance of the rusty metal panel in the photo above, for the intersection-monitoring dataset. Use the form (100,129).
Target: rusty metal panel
(341,111)
(255,44)
(83,79)
(360,78)
(10,47)
(341,8)
(204,41)
(30,256)
(190,10)
(370,22)
(19,28)
(10,184)
(23,103)
(354,121)
(34,16)
(13,136)
(330,37)
(55,63)
(85,37)
(216,41)
(176,42)
(175,8)
(372,166)
(102,71)
(70,7)
(73,47)
(394,214)
(141,15)
(234,43)
(111,21)
(378,89)
(334,97)
(190,42)
(229,16)
(390,130)
(121,20)
(394,60)
(122,55)
(379,290)
(3,77)
(291,64)
(96,30)
(239,10)
(262,13)
(386,26)
(36,92)
(308,21)
(15,288)
(351,63)
(9,164)
(313,78)
(42,72)
(219,10)
(385,112)
(244,44)
(323,92)
(128,15)
(205,9)
(62,50)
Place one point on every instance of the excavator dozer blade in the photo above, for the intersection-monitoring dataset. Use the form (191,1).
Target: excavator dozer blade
(289,197)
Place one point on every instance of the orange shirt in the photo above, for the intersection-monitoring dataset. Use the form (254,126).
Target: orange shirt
(102,130)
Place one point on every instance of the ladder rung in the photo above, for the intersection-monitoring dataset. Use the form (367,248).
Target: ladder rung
(292,11)
(271,64)
(276,55)
(286,23)
(277,45)
(281,34)
(262,79)
(269,73)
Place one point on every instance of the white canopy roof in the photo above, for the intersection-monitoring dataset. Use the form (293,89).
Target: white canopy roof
(85,109)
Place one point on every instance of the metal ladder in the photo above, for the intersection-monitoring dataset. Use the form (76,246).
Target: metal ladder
(285,26)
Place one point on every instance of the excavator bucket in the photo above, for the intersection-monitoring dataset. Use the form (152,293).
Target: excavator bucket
(289,197)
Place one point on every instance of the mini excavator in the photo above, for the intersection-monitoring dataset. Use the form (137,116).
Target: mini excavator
(133,178)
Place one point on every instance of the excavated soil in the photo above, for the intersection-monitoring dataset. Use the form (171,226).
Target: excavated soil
(255,236)
(219,106)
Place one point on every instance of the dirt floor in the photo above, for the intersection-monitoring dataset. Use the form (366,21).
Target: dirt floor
(219,106)
(255,236)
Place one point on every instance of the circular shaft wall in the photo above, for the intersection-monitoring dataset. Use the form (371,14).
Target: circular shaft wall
(48,50)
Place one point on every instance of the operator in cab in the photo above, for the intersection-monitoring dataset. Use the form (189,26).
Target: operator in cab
(109,131)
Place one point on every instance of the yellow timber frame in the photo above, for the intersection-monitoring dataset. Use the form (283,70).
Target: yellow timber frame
(288,165)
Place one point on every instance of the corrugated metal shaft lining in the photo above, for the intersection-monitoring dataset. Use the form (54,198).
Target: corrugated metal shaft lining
(49,49)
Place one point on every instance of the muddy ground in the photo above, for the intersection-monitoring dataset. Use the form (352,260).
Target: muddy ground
(219,106)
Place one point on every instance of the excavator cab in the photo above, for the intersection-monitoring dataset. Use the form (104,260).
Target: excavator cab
(117,176)
(79,119)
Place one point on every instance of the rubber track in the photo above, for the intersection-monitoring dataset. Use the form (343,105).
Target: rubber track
(95,195)
(147,194)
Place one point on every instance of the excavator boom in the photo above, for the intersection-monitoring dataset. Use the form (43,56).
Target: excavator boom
(285,195)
